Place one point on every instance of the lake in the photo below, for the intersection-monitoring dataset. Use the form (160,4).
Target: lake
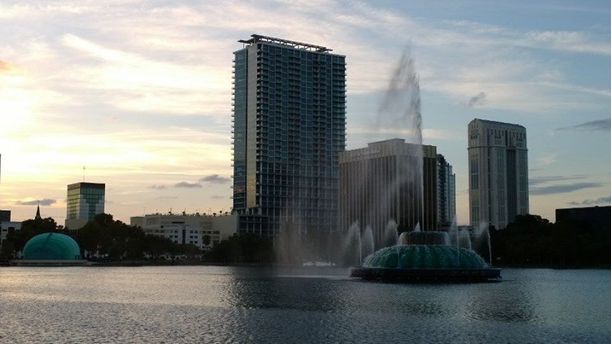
(186,304)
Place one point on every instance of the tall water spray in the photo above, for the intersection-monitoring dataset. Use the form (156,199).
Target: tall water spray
(377,204)
(483,238)
(367,242)
(400,112)
(352,246)
(390,237)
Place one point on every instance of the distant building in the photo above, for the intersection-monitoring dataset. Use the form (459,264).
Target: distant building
(497,172)
(5,215)
(84,202)
(203,231)
(446,191)
(593,217)
(378,183)
(6,227)
(289,123)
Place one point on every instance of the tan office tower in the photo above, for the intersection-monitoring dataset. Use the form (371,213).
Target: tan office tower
(497,172)
(380,183)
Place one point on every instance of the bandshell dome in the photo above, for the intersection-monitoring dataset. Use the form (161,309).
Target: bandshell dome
(51,246)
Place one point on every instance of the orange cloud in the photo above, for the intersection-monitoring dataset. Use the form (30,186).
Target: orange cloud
(5,66)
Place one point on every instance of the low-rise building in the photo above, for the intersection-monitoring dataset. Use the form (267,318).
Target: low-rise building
(6,227)
(5,215)
(201,230)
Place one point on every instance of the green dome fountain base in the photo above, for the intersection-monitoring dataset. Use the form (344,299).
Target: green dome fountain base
(426,263)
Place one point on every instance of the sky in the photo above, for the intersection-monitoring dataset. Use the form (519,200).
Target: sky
(137,94)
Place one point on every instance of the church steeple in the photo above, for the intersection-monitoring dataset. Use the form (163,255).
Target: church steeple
(37,217)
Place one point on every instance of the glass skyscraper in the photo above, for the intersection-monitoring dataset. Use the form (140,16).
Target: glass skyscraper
(84,201)
(446,192)
(289,123)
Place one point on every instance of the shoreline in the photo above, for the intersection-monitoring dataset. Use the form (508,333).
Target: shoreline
(136,263)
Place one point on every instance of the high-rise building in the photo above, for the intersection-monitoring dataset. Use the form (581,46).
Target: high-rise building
(289,120)
(85,200)
(446,191)
(498,172)
(381,183)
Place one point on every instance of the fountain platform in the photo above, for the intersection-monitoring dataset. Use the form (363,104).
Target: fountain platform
(425,257)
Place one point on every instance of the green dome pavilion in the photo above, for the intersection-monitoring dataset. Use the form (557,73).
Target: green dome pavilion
(51,246)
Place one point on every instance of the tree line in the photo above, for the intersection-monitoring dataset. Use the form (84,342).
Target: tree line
(105,238)
(534,241)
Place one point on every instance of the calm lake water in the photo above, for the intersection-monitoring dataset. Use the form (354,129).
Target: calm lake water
(240,304)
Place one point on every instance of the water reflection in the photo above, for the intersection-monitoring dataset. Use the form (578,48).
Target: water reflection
(226,304)
(516,305)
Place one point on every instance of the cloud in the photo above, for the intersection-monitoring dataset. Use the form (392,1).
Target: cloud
(157,187)
(566,41)
(173,61)
(547,179)
(44,201)
(187,185)
(167,197)
(546,160)
(600,200)
(597,125)
(5,67)
(557,189)
(215,179)
(477,100)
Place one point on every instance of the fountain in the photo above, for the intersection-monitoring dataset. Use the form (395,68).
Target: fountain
(352,247)
(367,242)
(483,240)
(428,257)
(421,254)
(390,236)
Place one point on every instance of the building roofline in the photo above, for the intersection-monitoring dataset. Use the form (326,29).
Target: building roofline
(294,44)
(392,140)
(87,184)
(496,122)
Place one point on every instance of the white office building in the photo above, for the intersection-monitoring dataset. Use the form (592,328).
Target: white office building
(201,230)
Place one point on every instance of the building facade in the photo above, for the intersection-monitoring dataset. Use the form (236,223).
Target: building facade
(446,192)
(5,215)
(6,227)
(381,182)
(289,119)
(203,231)
(84,201)
(498,178)
(594,218)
